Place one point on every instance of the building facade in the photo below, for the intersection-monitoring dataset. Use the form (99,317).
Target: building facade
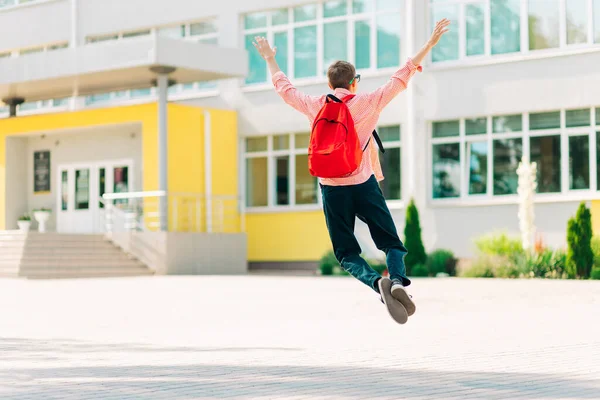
(513,78)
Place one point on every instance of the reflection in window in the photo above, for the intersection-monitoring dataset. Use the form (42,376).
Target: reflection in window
(476,126)
(281,180)
(507,123)
(579,162)
(446,129)
(545,152)
(256,182)
(577,118)
(305,52)
(306,184)
(280,40)
(474,14)
(507,155)
(547,120)
(362,43)
(577,21)
(447,48)
(388,40)
(477,154)
(446,170)
(258,68)
(64,187)
(544,27)
(391,186)
(82,189)
(335,47)
(101,185)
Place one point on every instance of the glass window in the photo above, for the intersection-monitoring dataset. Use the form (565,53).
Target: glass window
(361,6)
(58,46)
(101,185)
(281,142)
(388,40)
(256,144)
(507,155)
(547,120)
(505,26)
(543,24)
(387,4)
(597,115)
(577,21)
(280,17)
(476,126)
(475,29)
(282,166)
(579,162)
(391,167)
(305,52)
(578,118)
(545,152)
(281,42)
(82,189)
(596,21)
(477,156)
(136,34)
(121,182)
(256,182)
(507,123)
(257,20)
(306,184)
(335,47)
(7,3)
(362,44)
(137,93)
(598,160)
(177,31)
(389,133)
(446,129)
(203,28)
(64,190)
(446,170)
(257,71)
(305,13)
(302,140)
(447,48)
(334,8)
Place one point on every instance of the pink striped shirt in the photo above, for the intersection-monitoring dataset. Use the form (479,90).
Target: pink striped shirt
(364,108)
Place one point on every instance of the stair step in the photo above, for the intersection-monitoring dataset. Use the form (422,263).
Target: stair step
(86,274)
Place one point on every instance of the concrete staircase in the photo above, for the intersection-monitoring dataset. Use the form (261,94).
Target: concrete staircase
(52,256)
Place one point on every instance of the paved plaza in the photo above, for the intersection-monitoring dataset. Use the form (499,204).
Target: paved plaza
(270,337)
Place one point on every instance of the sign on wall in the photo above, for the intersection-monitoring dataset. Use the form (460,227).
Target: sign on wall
(41,172)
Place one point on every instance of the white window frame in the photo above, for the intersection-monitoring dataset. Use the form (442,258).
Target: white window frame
(20,3)
(524,53)
(565,194)
(319,22)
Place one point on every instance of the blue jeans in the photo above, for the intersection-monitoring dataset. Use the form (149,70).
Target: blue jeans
(342,205)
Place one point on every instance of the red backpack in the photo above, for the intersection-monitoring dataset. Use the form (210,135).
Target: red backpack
(334,149)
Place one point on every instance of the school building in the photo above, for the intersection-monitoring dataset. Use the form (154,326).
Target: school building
(169,100)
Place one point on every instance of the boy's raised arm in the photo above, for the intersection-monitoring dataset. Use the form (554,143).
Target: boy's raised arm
(283,86)
(399,81)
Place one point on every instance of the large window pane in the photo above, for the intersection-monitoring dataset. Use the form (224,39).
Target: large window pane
(281,42)
(82,189)
(543,24)
(545,152)
(391,163)
(578,118)
(475,29)
(597,115)
(64,190)
(306,184)
(334,8)
(256,144)
(305,13)
(302,140)
(256,182)
(507,123)
(596,21)
(507,155)
(388,40)
(579,162)
(447,48)
(305,51)
(547,120)
(361,6)
(257,20)
(362,44)
(281,142)
(505,26)
(577,21)
(476,126)
(446,170)
(282,167)
(335,47)
(258,67)
(279,17)
(446,129)
(389,133)
(477,156)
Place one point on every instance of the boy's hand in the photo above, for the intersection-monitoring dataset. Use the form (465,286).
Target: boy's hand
(264,48)
(440,28)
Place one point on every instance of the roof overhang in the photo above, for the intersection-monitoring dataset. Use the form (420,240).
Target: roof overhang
(109,66)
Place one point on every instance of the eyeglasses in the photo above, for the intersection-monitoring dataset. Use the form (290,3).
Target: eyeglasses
(357,78)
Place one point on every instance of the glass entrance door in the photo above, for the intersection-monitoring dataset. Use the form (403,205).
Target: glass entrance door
(81,209)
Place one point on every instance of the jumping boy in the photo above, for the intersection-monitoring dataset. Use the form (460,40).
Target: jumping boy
(359,194)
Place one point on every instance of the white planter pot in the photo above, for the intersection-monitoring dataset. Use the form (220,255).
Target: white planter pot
(24,226)
(41,217)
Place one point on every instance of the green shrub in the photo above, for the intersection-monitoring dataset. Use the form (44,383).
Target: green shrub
(478,270)
(412,239)
(547,264)
(327,263)
(499,244)
(580,257)
(419,270)
(441,261)
(595,273)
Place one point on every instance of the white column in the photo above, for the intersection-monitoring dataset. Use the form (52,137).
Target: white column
(73,42)
(163,85)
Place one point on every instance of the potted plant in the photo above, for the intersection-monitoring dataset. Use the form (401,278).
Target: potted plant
(42,216)
(24,223)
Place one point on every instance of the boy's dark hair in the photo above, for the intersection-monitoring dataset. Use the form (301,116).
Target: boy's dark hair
(340,73)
